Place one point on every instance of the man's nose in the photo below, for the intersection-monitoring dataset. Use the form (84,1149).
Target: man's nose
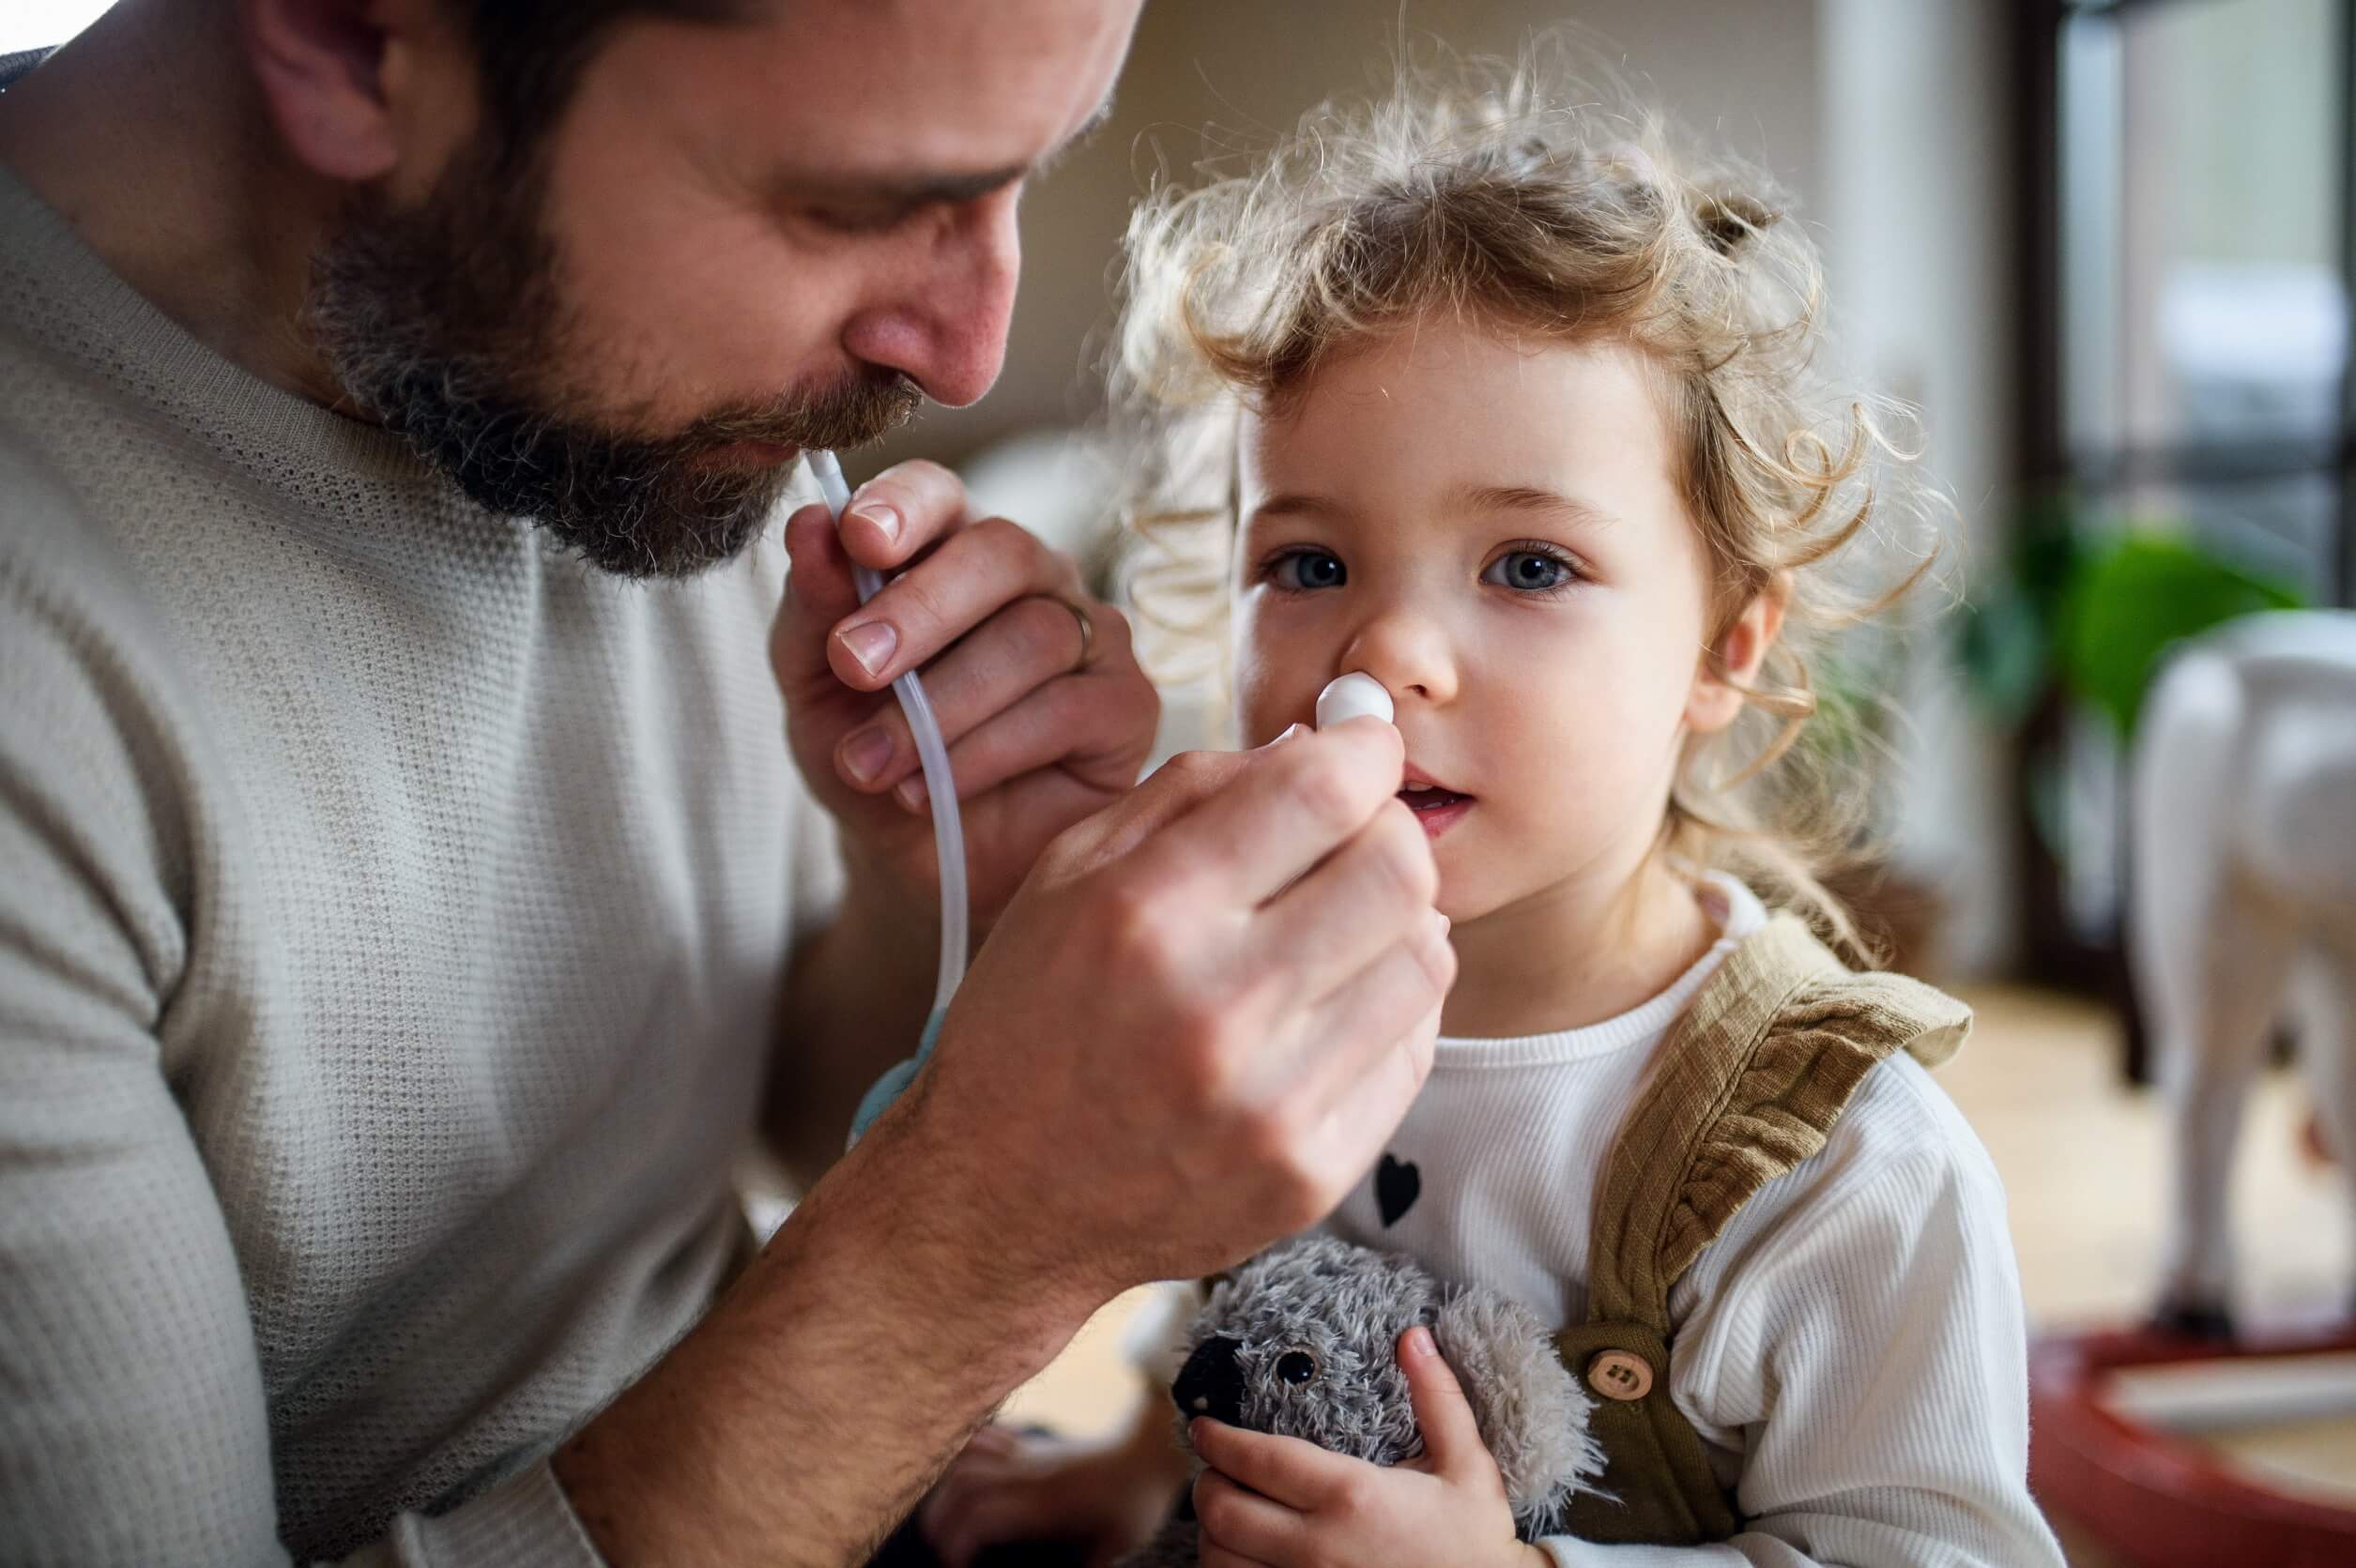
(1212,1383)
(944,324)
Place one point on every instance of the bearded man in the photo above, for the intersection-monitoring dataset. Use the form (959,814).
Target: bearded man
(409,907)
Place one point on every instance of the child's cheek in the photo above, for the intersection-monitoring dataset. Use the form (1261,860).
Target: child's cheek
(1264,698)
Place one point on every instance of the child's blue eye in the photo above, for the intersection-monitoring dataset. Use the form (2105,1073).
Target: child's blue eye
(1528,571)
(1305,569)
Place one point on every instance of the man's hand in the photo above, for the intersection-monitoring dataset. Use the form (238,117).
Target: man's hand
(1198,1021)
(1046,723)
(1278,1502)
(1191,1032)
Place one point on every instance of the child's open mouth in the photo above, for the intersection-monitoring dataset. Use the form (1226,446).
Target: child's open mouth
(1437,807)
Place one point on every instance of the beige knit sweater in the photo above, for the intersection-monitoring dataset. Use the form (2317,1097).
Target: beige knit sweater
(392,915)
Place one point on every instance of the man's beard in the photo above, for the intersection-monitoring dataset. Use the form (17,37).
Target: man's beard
(446,322)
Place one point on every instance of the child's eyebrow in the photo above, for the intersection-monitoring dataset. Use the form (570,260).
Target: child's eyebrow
(1524,498)
(1296,503)
(1471,498)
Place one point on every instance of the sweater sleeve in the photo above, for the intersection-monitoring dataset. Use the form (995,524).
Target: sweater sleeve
(134,1428)
(1867,1352)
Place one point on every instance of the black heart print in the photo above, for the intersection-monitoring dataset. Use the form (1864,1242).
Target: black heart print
(1397,1185)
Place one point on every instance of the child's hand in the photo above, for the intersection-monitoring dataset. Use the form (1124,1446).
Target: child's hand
(1009,1486)
(1278,1502)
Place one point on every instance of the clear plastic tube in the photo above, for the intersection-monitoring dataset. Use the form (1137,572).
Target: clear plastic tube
(932,754)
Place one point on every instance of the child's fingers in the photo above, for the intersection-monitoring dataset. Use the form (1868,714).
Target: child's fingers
(973,1482)
(969,1472)
(988,1519)
(1451,1433)
(1246,1527)
(1213,1555)
(1287,1470)
(994,1440)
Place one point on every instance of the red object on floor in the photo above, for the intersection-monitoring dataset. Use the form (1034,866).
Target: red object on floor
(2154,1499)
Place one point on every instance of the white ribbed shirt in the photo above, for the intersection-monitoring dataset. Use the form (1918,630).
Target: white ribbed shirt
(1851,1350)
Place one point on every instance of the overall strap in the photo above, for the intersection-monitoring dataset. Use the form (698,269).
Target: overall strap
(1750,1084)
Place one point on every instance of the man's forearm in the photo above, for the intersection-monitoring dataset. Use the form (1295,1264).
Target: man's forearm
(855,1001)
(810,1409)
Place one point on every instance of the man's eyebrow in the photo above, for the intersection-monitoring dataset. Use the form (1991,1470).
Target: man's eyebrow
(949,188)
(1524,497)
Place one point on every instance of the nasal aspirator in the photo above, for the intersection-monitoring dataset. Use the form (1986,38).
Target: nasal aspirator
(1355,696)
(948,831)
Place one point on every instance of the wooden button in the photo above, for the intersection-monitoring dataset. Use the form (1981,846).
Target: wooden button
(1619,1374)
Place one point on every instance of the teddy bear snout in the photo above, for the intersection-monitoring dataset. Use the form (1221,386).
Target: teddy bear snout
(1212,1383)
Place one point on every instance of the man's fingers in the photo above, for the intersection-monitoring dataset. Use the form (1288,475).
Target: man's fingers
(975,571)
(1370,1096)
(1371,894)
(1368,1044)
(1406,981)
(1173,790)
(1293,805)
(1085,727)
(1298,1474)
(1027,651)
(1451,1433)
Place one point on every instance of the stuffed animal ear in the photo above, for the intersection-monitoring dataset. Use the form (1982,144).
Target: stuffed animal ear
(1532,1413)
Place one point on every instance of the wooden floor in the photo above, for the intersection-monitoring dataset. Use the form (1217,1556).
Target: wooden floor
(2084,1161)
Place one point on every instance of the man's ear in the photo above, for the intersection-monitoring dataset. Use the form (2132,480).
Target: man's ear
(1732,666)
(330,73)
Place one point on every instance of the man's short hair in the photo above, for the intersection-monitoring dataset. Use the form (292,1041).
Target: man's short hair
(532,52)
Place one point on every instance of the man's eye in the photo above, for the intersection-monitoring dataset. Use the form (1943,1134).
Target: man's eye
(1528,571)
(1305,569)
(857,220)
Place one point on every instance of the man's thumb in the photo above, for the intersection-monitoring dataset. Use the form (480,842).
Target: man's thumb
(1451,1433)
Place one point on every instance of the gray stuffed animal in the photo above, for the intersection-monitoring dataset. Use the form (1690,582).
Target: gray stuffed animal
(1303,1341)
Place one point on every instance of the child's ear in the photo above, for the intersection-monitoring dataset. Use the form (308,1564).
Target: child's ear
(1732,667)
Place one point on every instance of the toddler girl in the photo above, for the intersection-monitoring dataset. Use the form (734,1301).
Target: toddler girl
(1488,397)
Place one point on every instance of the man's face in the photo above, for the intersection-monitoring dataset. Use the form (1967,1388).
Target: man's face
(735,241)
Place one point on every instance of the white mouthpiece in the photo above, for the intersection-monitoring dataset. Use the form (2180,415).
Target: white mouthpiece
(1355,696)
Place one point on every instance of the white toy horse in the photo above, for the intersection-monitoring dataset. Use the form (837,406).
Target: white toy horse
(2243,906)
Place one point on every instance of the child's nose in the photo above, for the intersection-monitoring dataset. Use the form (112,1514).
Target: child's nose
(1408,653)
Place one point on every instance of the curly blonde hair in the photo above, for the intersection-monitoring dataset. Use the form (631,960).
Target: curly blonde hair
(1549,215)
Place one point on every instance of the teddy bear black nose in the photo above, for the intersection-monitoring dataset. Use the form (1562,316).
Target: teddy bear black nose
(1212,1383)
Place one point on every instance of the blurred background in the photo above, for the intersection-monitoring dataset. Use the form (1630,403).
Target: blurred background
(2106,247)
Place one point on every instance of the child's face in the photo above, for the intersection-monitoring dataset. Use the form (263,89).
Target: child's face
(1492,527)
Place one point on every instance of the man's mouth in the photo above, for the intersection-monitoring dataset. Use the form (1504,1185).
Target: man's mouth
(1436,806)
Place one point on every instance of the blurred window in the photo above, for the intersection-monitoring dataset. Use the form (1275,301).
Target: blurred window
(2203,170)
(44,23)
(2187,190)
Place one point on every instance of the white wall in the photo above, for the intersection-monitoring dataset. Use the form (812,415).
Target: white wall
(1918,250)
(1744,73)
